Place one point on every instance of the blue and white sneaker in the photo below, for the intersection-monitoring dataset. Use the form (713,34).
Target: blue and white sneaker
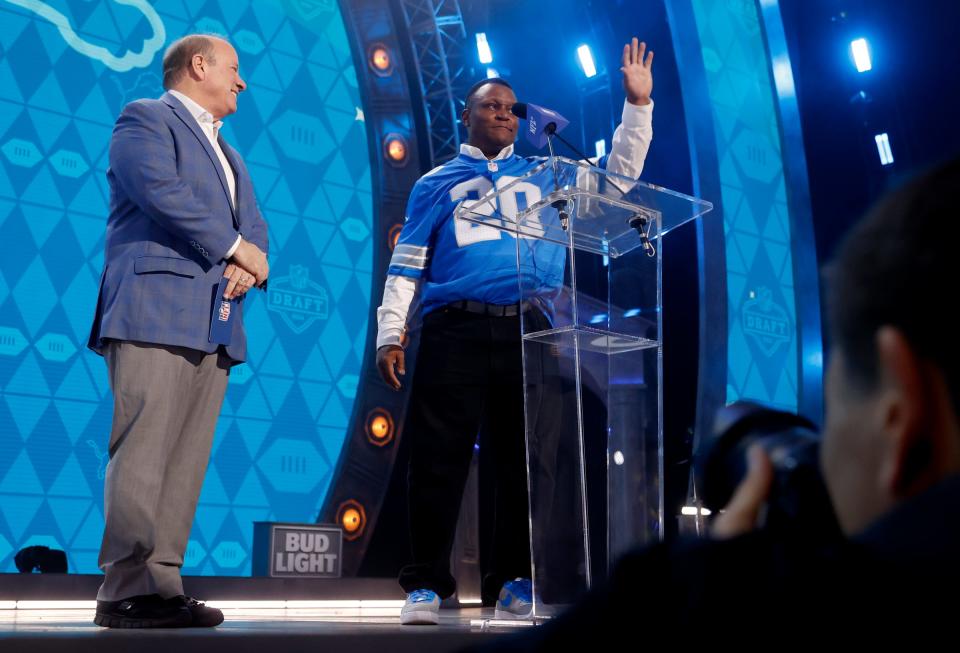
(516,600)
(421,607)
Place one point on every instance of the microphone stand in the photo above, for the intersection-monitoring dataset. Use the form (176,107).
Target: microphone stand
(639,222)
(562,206)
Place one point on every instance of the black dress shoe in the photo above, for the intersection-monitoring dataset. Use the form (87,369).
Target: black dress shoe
(203,615)
(144,611)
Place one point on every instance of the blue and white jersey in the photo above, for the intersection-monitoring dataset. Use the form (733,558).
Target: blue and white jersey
(439,259)
(459,259)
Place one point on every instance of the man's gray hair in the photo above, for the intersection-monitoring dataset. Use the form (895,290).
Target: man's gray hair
(177,58)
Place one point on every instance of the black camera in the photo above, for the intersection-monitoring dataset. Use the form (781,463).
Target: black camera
(798,505)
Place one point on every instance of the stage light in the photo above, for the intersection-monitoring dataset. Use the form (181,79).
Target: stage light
(618,457)
(395,149)
(483,49)
(861,55)
(633,312)
(586,61)
(691,511)
(492,73)
(353,518)
(380,60)
(883,148)
(379,427)
(600,147)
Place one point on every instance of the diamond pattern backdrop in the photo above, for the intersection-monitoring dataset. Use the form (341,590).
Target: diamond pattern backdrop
(66,69)
(762,333)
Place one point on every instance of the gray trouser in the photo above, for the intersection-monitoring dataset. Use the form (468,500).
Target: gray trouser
(166,403)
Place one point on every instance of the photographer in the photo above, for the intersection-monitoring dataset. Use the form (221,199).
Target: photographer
(890,457)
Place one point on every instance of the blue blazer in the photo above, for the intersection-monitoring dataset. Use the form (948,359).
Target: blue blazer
(171,223)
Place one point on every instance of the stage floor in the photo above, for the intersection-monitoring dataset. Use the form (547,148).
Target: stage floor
(255,630)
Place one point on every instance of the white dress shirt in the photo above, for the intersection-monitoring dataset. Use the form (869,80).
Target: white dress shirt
(211,129)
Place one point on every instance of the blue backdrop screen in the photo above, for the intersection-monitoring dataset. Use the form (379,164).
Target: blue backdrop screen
(66,70)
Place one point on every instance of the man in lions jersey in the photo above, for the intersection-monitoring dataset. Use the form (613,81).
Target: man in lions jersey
(462,277)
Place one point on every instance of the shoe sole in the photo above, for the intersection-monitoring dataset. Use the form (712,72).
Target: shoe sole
(206,622)
(420,618)
(205,618)
(125,622)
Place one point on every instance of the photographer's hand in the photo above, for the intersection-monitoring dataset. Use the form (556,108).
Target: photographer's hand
(740,515)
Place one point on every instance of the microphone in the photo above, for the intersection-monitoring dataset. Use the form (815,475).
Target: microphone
(542,123)
(641,224)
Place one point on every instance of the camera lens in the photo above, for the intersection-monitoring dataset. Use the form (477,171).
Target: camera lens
(798,504)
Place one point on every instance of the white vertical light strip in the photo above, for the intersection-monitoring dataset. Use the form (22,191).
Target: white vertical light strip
(601,147)
(783,77)
(483,49)
(586,60)
(883,148)
(861,55)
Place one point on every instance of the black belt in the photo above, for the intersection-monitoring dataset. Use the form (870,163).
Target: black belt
(496,310)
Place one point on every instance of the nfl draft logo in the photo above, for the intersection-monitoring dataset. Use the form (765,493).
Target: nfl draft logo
(224,311)
(765,322)
(299,301)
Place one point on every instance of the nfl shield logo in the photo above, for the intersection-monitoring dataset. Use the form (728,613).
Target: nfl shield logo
(297,300)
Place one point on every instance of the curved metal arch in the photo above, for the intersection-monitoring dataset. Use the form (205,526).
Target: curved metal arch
(436,38)
(363,471)
(749,143)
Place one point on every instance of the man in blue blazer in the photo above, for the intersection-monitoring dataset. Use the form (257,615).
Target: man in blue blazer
(185,241)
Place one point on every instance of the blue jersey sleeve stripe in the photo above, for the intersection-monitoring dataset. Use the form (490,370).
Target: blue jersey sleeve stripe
(405,272)
(411,250)
(409,262)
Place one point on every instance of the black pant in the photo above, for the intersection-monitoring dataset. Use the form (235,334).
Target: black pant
(468,381)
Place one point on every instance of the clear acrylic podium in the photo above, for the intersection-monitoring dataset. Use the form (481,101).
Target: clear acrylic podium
(589,250)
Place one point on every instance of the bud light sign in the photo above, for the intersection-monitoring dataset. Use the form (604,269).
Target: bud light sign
(297,550)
